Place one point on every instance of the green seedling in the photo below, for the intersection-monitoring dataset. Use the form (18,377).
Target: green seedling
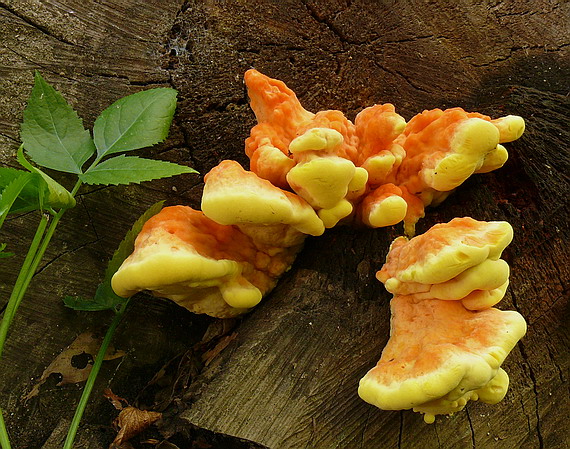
(53,137)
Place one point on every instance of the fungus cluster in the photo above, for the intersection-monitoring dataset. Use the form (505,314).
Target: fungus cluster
(309,172)
(378,170)
(447,342)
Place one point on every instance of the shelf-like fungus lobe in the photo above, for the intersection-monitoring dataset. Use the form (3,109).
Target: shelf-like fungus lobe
(446,342)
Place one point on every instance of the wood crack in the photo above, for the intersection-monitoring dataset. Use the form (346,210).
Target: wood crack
(525,14)
(363,434)
(183,8)
(327,23)
(45,30)
(409,39)
(471,428)
(529,425)
(127,79)
(515,301)
(437,435)
(513,50)
(338,68)
(89,218)
(64,253)
(535,390)
(9,137)
(408,80)
(398,74)
(94,190)
(544,47)
(341,36)
(45,68)
(186,136)
(310,443)
(285,47)
(490,63)
(563,295)
(558,368)
(25,58)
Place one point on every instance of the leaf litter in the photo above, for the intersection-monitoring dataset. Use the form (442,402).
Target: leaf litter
(131,420)
(74,363)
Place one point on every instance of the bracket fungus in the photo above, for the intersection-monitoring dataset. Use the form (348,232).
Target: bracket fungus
(459,260)
(435,152)
(314,155)
(311,171)
(444,351)
(441,355)
(206,267)
(378,170)
(234,196)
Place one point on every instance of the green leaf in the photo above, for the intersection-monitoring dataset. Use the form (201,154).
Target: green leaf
(131,169)
(7,175)
(57,196)
(11,193)
(33,194)
(105,298)
(136,121)
(52,133)
(4,254)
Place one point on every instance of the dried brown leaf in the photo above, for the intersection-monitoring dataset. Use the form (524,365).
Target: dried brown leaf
(85,345)
(132,421)
(118,402)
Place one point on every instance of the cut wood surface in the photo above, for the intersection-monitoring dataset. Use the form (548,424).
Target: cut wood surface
(286,374)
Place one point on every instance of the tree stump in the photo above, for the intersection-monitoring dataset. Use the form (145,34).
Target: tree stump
(288,375)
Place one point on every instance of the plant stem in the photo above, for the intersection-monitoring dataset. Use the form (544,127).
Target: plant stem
(13,305)
(4,440)
(21,287)
(28,270)
(38,257)
(33,258)
(92,376)
(21,281)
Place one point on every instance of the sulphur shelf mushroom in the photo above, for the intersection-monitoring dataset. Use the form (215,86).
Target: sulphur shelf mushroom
(446,342)
(459,260)
(312,154)
(311,171)
(234,196)
(378,170)
(441,355)
(435,153)
(221,261)
(203,266)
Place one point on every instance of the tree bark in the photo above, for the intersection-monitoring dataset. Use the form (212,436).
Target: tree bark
(289,377)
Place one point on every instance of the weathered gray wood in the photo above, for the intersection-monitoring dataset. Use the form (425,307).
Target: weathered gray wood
(289,379)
